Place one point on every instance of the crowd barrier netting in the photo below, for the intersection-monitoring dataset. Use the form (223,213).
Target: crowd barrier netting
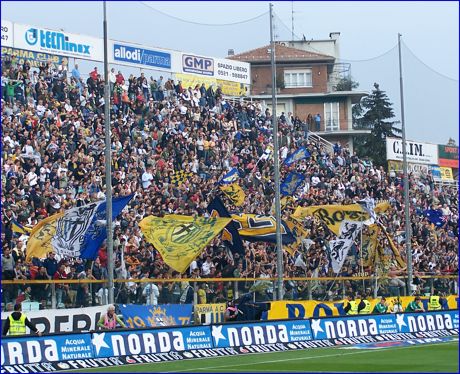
(120,347)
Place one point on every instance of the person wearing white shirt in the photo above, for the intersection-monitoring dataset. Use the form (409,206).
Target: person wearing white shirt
(32,178)
(151,294)
(206,267)
(112,79)
(147,178)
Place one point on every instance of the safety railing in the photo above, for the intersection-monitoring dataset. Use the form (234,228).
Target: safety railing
(85,292)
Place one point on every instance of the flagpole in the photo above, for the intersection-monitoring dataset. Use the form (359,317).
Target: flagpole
(108,163)
(406,179)
(279,245)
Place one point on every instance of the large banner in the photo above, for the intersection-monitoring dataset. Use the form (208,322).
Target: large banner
(228,88)
(7,33)
(57,42)
(121,347)
(314,309)
(414,169)
(137,316)
(64,320)
(35,59)
(417,152)
(448,155)
(139,56)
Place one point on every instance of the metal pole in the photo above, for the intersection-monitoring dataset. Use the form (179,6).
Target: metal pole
(108,163)
(406,179)
(279,245)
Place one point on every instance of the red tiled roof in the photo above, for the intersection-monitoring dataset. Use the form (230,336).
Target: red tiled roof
(282,53)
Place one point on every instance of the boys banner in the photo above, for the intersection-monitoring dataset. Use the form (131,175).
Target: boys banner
(313,309)
(333,215)
(138,316)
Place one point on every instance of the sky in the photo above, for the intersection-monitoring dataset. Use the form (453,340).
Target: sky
(368,40)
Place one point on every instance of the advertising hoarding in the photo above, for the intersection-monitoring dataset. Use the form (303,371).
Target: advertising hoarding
(7,33)
(417,152)
(62,43)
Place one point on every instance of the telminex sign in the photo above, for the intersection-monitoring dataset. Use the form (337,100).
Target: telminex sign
(55,40)
(141,56)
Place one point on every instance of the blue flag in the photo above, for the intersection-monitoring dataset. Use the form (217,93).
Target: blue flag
(300,154)
(291,183)
(230,236)
(96,232)
(230,177)
(435,217)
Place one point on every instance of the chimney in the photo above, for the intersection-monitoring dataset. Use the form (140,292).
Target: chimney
(230,52)
(334,35)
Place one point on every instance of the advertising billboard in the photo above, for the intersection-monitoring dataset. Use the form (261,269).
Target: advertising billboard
(7,33)
(140,56)
(448,156)
(58,42)
(417,152)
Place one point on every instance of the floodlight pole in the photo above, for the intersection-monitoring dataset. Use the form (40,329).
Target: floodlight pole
(279,244)
(108,164)
(406,178)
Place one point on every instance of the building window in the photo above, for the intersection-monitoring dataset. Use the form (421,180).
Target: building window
(331,117)
(297,78)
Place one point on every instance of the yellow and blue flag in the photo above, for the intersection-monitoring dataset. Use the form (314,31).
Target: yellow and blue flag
(181,239)
(301,154)
(299,232)
(231,177)
(20,229)
(78,232)
(234,192)
(230,235)
(180,176)
(292,181)
(256,228)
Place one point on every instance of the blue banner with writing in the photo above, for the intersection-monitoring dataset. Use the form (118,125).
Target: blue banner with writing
(432,321)
(122,343)
(29,350)
(137,316)
(236,335)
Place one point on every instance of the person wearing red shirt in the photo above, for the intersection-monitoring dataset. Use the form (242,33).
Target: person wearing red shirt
(61,289)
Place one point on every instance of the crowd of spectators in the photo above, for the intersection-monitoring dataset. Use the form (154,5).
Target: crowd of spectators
(53,159)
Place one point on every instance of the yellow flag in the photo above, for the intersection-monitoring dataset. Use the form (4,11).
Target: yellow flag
(39,243)
(299,233)
(180,239)
(370,241)
(398,258)
(234,192)
(333,215)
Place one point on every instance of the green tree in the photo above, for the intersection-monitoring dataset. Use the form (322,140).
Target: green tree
(374,113)
(346,84)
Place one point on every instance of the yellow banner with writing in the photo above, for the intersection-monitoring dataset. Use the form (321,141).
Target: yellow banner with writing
(228,88)
(209,313)
(180,239)
(313,308)
(333,215)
